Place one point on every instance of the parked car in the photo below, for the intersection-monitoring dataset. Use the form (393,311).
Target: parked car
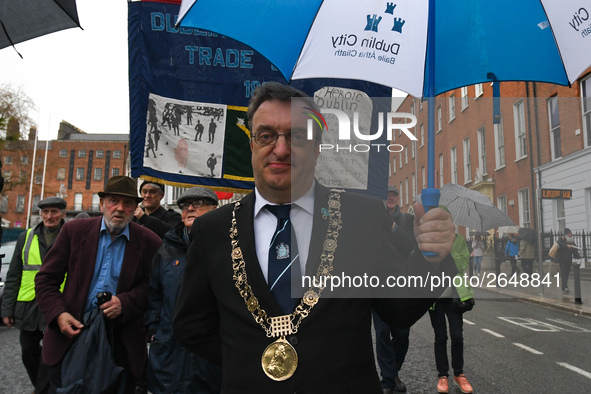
(6,252)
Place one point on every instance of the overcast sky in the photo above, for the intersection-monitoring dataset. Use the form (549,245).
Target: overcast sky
(75,75)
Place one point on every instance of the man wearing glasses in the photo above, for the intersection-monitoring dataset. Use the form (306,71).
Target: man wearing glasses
(236,307)
(151,214)
(99,255)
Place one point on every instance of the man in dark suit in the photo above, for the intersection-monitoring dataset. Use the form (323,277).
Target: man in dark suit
(104,254)
(226,311)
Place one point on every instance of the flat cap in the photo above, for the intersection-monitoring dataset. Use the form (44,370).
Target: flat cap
(53,202)
(393,189)
(144,183)
(198,192)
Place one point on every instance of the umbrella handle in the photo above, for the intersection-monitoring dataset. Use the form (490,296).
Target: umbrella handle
(430,199)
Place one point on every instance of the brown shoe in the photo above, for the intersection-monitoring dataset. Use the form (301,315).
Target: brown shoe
(465,387)
(442,386)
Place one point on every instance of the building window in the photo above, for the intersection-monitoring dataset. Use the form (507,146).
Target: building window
(24,159)
(414,185)
(61,174)
(554,118)
(422,134)
(22,176)
(80,173)
(412,107)
(20,203)
(82,153)
(406,154)
(441,170)
(4,204)
(560,214)
(7,175)
(406,190)
(524,217)
(464,93)
(96,200)
(478,90)
(454,164)
(8,160)
(100,154)
(499,145)
(78,202)
(586,106)
(63,153)
(98,174)
(452,107)
(400,159)
(413,147)
(423,177)
(116,154)
(502,203)
(467,161)
(36,200)
(482,151)
(38,179)
(519,118)
(439,122)
(393,166)
(114,171)
(420,105)
(401,195)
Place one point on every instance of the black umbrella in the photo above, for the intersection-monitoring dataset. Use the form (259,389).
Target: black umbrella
(527,234)
(22,20)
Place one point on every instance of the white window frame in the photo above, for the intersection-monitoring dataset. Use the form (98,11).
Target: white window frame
(80,174)
(77,201)
(20,203)
(520,136)
(467,161)
(524,207)
(63,153)
(440,169)
(502,203)
(401,195)
(98,174)
(422,128)
(113,171)
(560,215)
(482,150)
(439,119)
(414,185)
(95,202)
(100,154)
(423,177)
(452,106)
(586,110)
(82,153)
(116,154)
(499,146)
(464,94)
(61,174)
(453,158)
(478,90)
(554,110)
(406,190)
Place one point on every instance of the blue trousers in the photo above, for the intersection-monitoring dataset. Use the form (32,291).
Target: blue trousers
(391,348)
(443,308)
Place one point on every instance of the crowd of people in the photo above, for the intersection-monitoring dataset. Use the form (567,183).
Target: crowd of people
(209,289)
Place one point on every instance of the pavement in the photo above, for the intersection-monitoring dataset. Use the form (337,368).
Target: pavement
(546,295)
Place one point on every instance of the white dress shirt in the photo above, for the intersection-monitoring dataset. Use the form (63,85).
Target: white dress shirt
(301,216)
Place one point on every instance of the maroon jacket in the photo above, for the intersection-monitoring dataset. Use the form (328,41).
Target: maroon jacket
(74,253)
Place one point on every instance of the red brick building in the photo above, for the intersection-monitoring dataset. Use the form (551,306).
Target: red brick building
(77,167)
(543,140)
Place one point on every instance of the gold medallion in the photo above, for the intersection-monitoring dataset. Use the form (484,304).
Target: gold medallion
(279,360)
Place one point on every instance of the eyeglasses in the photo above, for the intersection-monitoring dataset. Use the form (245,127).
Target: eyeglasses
(195,204)
(296,138)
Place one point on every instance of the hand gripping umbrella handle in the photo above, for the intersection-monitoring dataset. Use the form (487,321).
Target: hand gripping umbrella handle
(430,198)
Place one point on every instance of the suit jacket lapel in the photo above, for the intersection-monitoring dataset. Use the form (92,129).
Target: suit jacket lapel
(319,228)
(256,279)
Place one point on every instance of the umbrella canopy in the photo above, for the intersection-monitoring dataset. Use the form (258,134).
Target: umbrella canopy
(387,42)
(472,209)
(527,234)
(23,20)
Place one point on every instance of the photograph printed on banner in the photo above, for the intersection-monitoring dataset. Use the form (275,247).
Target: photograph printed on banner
(177,130)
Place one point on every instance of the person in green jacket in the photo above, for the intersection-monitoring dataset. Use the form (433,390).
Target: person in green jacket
(19,305)
(444,307)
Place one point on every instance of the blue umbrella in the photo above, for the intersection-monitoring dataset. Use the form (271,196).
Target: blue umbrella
(421,47)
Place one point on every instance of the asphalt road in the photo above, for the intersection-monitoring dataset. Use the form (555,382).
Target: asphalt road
(510,347)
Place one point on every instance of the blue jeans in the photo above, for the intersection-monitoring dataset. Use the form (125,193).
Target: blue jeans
(477,263)
(391,348)
(443,308)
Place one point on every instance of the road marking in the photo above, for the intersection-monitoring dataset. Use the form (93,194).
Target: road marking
(532,324)
(577,370)
(469,322)
(529,349)
(569,324)
(491,332)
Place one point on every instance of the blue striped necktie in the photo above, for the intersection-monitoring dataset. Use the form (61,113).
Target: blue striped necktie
(283,255)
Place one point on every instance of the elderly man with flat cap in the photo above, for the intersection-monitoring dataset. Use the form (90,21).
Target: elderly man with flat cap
(152,215)
(106,254)
(19,305)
